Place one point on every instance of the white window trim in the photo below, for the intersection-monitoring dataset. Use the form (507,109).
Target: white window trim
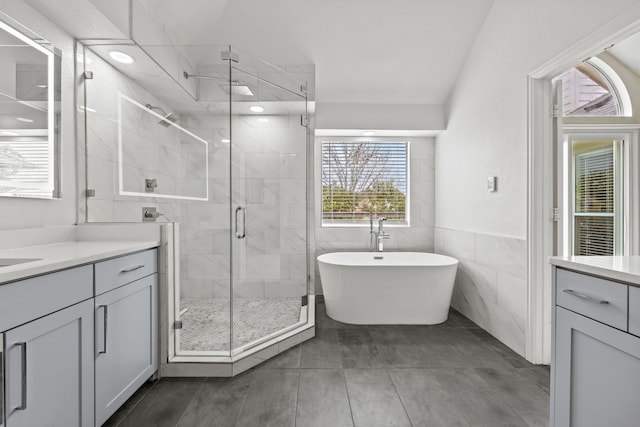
(617,86)
(629,203)
(318,179)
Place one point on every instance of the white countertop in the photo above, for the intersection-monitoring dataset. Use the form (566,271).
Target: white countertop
(620,268)
(58,256)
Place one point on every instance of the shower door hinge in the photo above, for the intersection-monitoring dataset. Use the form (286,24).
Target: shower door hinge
(177,324)
(303,121)
(90,192)
(305,300)
(555,110)
(555,214)
(88,75)
(303,88)
(227,55)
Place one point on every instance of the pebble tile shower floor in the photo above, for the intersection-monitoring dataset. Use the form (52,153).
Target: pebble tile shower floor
(454,374)
(206,321)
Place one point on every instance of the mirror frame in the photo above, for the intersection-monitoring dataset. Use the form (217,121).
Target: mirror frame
(51,190)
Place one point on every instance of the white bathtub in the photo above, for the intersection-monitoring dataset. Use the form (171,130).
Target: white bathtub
(401,288)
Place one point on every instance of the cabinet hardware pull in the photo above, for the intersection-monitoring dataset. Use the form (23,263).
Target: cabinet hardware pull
(23,395)
(104,329)
(585,297)
(135,267)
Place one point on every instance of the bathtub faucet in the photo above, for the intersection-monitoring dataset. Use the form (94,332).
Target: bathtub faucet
(377,236)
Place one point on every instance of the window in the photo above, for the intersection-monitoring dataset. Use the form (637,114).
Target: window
(593,88)
(359,177)
(596,217)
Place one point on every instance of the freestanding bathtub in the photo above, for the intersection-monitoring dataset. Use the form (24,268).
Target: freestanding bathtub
(379,288)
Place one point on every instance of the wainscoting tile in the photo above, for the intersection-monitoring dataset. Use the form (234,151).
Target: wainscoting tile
(456,243)
(504,254)
(484,280)
(512,295)
(413,239)
(508,327)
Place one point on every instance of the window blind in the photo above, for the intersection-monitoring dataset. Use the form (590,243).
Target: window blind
(362,177)
(594,203)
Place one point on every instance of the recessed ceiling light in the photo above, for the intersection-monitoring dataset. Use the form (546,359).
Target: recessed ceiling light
(256,109)
(368,133)
(24,120)
(263,120)
(225,140)
(122,57)
(7,133)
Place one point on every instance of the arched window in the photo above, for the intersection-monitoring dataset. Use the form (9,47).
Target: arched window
(593,88)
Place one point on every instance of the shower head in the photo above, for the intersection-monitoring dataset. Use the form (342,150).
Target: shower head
(167,118)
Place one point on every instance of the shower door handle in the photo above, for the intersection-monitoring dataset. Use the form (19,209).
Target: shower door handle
(241,233)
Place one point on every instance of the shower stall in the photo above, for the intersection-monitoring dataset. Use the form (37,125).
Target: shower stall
(217,145)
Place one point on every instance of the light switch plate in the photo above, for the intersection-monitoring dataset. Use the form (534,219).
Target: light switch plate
(492,184)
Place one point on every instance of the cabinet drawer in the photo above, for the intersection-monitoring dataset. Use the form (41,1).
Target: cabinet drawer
(598,299)
(634,310)
(116,272)
(29,299)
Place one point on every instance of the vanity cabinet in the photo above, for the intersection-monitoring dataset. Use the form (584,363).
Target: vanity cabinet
(595,359)
(78,342)
(49,370)
(125,334)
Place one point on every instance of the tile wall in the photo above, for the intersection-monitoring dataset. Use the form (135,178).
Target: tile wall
(491,283)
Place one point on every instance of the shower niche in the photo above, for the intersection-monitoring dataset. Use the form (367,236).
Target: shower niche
(217,142)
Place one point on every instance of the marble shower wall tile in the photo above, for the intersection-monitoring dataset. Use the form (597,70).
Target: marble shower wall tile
(491,285)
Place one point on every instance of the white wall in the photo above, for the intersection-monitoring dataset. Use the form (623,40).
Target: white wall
(487,130)
(487,124)
(380,116)
(27,213)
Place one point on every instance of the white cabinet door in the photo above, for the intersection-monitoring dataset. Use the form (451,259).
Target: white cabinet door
(597,368)
(126,343)
(49,370)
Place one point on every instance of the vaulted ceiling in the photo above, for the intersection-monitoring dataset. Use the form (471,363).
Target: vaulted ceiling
(364,51)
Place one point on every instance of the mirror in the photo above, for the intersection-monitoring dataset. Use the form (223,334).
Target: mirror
(29,114)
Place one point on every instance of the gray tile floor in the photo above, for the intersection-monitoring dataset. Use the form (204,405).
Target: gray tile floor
(454,374)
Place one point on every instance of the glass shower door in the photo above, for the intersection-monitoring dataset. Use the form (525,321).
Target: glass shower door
(269,210)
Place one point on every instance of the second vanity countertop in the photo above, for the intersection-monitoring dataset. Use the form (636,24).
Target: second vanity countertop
(58,256)
(620,268)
